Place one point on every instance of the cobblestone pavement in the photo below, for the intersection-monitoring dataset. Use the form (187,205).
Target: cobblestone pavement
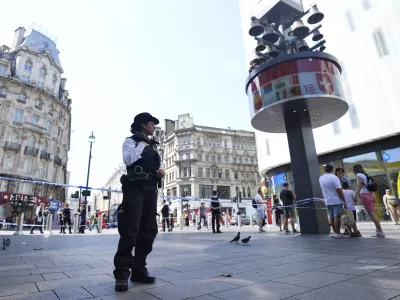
(192,265)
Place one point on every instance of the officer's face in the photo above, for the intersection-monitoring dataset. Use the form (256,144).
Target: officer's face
(149,128)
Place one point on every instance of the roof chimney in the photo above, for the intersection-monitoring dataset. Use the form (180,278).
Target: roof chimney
(63,82)
(18,37)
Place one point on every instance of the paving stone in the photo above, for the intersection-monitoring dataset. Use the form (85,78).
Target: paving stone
(313,279)
(108,288)
(205,297)
(48,295)
(383,280)
(14,273)
(189,289)
(348,291)
(20,279)
(88,272)
(17,289)
(72,293)
(60,269)
(54,276)
(61,283)
(377,261)
(16,268)
(128,295)
(265,290)
(353,268)
(12,262)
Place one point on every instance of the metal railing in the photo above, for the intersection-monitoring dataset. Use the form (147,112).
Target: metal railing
(44,155)
(31,150)
(12,146)
(57,160)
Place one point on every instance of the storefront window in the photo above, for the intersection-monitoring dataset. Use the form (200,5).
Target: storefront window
(277,183)
(374,167)
(391,159)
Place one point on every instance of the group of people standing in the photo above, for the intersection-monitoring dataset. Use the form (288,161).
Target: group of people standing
(340,200)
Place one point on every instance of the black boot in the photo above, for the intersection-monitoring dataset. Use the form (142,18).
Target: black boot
(121,285)
(141,275)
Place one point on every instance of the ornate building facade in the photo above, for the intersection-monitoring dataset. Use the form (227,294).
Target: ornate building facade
(35,116)
(200,159)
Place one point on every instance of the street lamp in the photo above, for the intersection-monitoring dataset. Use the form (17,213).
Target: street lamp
(92,138)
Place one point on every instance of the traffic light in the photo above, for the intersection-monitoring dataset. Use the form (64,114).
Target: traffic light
(85,193)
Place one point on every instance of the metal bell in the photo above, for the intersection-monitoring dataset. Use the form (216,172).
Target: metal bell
(302,46)
(317,36)
(260,46)
(271,50)
(299,29)
(315,16)
(270,35)
(256,28)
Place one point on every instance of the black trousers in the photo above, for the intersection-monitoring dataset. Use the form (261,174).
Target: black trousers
(82,225)
(205,221)
(37,222)
(137,227)
(215,219)
(67,220)
(165,220)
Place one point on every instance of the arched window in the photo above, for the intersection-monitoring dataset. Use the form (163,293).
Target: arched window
(32,141)
(248,192)
(28,66)
(21,97)
(3,92)
(54,80)
(38,103)
(14,137)
(244,192)
(43,72)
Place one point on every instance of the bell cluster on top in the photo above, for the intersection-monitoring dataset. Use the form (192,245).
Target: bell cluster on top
(272,42)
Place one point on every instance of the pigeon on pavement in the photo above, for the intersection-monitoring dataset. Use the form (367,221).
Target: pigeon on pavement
(246,240)
(236,238)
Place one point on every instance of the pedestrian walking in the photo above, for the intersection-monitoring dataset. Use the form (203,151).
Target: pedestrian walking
(38,218)
(137,224)
(165,216)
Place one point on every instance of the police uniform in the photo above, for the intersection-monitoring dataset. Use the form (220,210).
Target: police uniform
(216,213)
(66,219)
(137,224)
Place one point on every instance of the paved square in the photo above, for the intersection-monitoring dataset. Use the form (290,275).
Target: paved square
(200,265)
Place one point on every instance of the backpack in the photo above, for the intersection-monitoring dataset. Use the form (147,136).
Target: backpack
(254,203)
(371,184)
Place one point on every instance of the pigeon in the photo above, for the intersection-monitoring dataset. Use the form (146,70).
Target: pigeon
(246,240)
(6,243)
(236,238)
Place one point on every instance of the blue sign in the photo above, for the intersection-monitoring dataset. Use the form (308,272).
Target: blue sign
(386,156)
(54,205)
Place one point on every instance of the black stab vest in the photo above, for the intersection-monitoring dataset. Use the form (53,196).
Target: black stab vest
(150,160)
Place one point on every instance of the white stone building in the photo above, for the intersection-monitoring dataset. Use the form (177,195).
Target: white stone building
(200,159)
(35,116)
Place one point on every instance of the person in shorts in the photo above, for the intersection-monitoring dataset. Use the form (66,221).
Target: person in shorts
(334,198)
(367,198)
(288,198)
(278,213)
(348,215)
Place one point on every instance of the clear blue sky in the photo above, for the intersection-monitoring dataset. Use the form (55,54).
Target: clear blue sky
(167,57)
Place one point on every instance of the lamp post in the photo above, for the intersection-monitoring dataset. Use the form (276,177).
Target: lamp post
(92,138)
(292,89)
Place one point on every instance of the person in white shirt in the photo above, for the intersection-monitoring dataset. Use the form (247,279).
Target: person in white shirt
(38,218)
(334,198)
(351,199)
(367,198)
(260,210)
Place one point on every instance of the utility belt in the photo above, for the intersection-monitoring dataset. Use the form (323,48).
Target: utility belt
(137,175)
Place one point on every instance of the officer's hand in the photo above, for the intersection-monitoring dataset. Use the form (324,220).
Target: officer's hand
(160,173)
(144,143)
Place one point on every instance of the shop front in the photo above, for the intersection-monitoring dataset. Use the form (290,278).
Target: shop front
(380,159)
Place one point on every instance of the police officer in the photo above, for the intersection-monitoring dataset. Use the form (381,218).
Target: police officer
(215,212)
(137,224)
(66,218)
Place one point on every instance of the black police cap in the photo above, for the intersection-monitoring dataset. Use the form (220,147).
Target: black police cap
(144,118)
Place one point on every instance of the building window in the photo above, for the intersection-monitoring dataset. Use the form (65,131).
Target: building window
(8,163)
(48,126)
(219,173)
(32,141)
(213,158)
(172,176)
(45,146)
(187,155)
(355,122)
(198,141)
(236,174)
(248,192)
(200,172)
(350,22)
(51,110)
(224,192)
(234,160)
(54,80)
(35,120)
(43,72)
(226,159)
(180,156)
(380,43)
(26,78)
(40,84)
(227,174)
(240,160)
(18,115)
(214,173)
(3,92)
(199,156)
(218,143)
(27,166)
(243,192)
(267,148)
(205,191)
(336,127)
(225,143)
(21,97)
(185,174)
(219,158)
(366,4)
(186,190)
(28,66)
(38,103)
(3,70)
(208,174)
